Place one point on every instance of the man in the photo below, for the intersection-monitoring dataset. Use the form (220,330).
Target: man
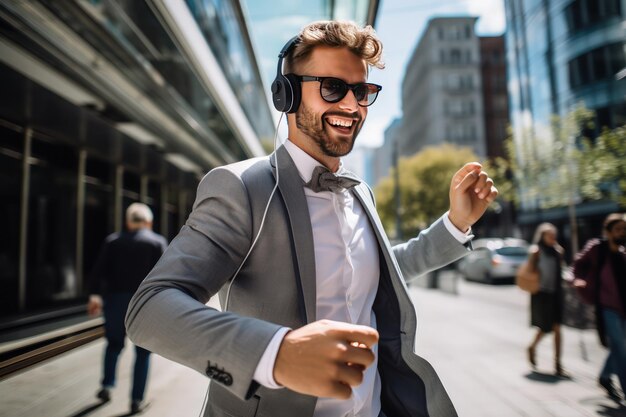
(600,276)
(124,261)
(318,322)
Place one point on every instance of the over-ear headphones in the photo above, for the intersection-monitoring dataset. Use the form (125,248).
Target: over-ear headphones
(286,92)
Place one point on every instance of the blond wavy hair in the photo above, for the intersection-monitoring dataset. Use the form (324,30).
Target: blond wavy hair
(360,40)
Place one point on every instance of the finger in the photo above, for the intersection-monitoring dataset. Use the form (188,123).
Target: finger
(350,375)
(339,390)
(465,169)
(468,181)
(358,356)
(355,333)
(493,193)
(483,185)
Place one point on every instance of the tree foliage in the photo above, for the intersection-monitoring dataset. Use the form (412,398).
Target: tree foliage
(424,187)
(567,164)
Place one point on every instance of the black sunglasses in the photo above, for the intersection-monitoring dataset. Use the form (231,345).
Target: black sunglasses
(333,89)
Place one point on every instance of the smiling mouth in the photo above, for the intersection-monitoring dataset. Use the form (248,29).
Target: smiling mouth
(340,124)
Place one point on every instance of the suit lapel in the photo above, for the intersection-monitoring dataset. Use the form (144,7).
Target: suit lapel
(292,191)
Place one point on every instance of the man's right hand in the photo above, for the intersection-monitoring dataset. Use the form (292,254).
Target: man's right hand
(325,358)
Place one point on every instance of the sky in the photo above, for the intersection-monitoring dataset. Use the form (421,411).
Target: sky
(399,25)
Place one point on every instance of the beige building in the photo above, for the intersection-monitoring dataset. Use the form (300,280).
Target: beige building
(441,91)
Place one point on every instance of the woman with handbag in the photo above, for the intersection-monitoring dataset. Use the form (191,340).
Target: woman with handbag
(546,306)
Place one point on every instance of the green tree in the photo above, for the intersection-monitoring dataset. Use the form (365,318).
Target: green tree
(561,166)
(424,185)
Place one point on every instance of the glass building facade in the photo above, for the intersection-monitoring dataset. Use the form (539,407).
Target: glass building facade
(104,103)
(561,53)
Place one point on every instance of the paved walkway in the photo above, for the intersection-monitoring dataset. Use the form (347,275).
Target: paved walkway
(474,338)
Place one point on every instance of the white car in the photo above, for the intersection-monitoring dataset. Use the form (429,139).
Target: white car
(494,259)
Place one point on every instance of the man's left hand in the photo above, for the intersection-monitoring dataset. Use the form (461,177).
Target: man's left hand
(94,306)
(471,192)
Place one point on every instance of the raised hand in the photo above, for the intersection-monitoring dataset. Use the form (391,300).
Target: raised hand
(325,358)
(471,192)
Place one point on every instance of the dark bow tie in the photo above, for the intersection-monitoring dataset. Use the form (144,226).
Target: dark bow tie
(324,180)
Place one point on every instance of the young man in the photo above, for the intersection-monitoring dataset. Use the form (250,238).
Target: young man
(319,321)
(600,276)
(124,261)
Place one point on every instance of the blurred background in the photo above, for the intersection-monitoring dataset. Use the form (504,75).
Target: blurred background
(108,102)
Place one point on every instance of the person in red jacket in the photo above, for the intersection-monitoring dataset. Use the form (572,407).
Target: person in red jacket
(600,277)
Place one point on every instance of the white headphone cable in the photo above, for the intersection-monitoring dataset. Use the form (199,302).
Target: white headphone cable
(256,238)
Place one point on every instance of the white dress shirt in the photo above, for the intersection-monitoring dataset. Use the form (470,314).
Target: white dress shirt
(347,271)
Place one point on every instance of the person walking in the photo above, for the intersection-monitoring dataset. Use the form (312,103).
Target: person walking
(316,318)
(546,306)
(600,276)
(123,262)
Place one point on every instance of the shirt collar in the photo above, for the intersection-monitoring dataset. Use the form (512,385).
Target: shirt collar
(304,162)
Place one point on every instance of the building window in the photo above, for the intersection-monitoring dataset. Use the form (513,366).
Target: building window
(455,56)
(11,151)
(583,13)
(51,250)
(597,65)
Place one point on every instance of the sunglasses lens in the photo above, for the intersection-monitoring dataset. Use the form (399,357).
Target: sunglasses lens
(333,89)
(369,95)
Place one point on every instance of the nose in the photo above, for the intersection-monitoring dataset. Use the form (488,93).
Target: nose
(349,101)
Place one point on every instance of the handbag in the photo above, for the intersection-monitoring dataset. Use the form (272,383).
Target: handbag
(527,277)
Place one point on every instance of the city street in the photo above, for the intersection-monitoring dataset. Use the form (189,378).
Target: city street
(476,339)
(475,335)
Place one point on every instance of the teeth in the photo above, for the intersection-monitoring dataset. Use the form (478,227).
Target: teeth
(340,122)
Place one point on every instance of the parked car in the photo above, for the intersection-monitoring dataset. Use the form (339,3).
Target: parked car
(494,259)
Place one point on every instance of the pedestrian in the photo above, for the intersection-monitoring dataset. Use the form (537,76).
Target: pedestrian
(546,306)
(123,262)
(600,276)
(316,319)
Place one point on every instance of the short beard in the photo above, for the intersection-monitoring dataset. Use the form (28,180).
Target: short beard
(312,125)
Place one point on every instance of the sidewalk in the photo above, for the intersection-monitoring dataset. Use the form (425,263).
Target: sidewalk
(475,339)
(66,387)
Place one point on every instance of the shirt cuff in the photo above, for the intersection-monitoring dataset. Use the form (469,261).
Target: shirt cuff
(264,373)
(458,235)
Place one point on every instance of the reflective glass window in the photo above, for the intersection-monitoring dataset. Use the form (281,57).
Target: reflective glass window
(98,210)
(11,150)
(153,200)
(131,191)
(221,26)
(51,252)
(173,218)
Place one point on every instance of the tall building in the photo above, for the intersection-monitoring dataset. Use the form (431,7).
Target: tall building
(108,102)
(561,53)
(494,93)
(441,91)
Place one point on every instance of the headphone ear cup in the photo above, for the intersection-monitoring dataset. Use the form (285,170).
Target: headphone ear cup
(281,97)
(296,91)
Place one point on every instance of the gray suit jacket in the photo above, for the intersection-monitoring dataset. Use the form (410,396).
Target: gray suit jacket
(276,287)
